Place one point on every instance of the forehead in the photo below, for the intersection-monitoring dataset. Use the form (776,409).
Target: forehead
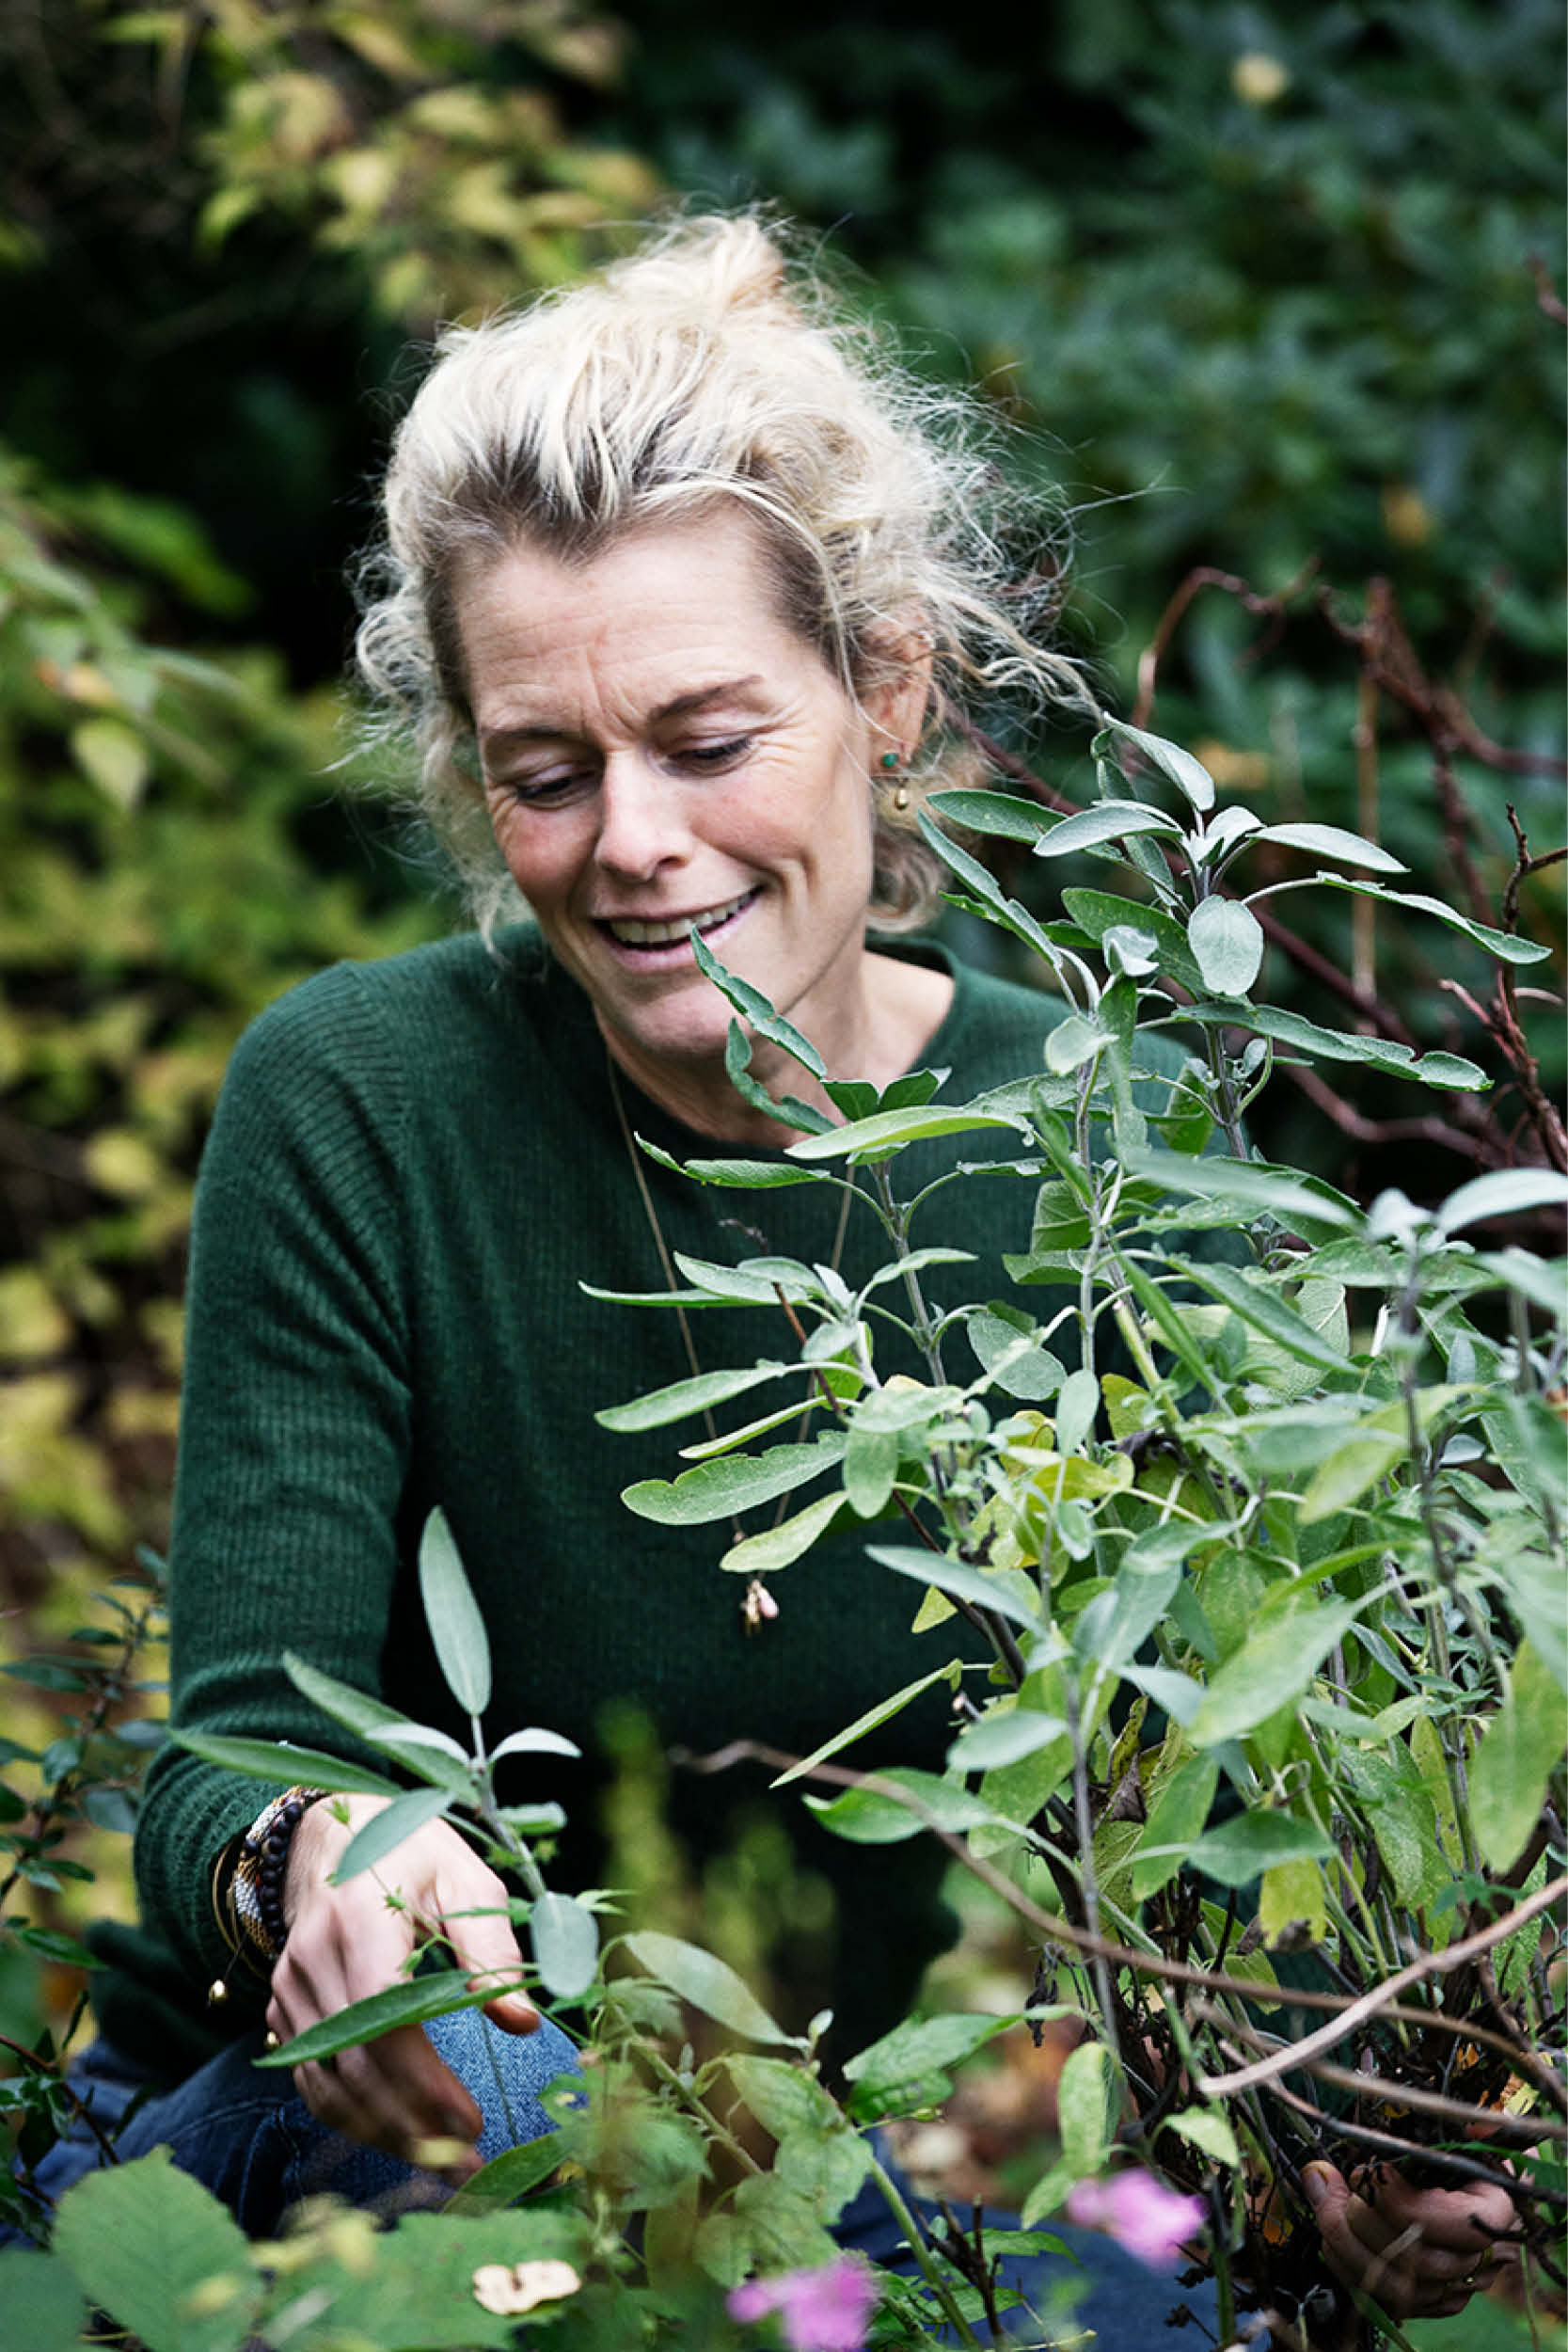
(668,606)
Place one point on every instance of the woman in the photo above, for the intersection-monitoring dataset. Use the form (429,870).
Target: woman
(677,595)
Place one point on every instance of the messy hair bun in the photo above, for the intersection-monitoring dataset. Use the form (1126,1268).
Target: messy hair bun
(706,365)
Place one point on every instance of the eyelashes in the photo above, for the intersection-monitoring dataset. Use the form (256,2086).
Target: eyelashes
(547,790)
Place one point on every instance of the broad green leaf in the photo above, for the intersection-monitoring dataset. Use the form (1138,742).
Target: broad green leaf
(414,2002)
(1262,1307)
(290,1766)
(706,1983)
(777,1547)
(1003,1734)
(1072,1043)
(1076,1408)
(872,1720)
(753,1006)
(565,1938)
(1244,1847)
(1084,2113)
(1374,1449)
(1004,1597)
(915,2055)
(507,2177)
(1519,1750)
(43,2306)
(1273,1665)
(683,1397)
(452,1612)
(417,2289)
(1116,1623)
(144,2241)
(757,1282)
(1278,1192)
(1505,1192)
(385,1830)
(1176,1821)
(1542,1280)
(749,1175)
(114,757)
(1503,945)
(1169,760)
(887,1130)
(875,1817)
(1097,911)
(870,1469)
(1108,820)
(733,1483)
(1207,2128)
(999,813)
(1293,1895)
(1333,841)
(1226,941)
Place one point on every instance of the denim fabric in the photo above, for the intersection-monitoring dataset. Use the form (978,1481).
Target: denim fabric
(246,2135)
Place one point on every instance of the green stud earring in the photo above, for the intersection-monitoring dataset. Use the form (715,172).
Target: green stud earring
(889,759)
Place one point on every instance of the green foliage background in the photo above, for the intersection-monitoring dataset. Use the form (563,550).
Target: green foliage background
(1259,286)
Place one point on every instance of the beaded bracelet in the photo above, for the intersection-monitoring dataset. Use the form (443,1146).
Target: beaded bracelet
(248,1896)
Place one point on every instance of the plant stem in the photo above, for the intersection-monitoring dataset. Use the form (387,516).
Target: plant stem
(929,2270)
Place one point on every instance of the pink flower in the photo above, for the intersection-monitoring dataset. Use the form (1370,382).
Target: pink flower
(1140,2213)
(822,2311)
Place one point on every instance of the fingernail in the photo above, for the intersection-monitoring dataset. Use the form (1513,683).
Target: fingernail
(1314,2180)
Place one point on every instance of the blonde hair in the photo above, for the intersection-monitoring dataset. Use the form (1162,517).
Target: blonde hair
(705,367)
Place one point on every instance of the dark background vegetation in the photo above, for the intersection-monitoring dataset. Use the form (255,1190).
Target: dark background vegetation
(1273,291)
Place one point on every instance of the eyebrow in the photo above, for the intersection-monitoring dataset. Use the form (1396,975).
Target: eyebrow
(680,707)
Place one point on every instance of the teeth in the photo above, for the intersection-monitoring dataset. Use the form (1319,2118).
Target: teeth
(632,934)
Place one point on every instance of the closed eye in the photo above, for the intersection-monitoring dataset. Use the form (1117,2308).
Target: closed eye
(714,755)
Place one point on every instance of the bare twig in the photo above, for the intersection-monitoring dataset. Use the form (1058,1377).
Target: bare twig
(1425,1964)
(1349,1122)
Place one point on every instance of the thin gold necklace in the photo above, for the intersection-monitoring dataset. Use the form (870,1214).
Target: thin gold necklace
(757,1604)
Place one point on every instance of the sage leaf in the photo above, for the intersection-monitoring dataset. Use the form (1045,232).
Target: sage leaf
(1176,1821)
(1519,1750)
(1506,1192)
(754,1006)
(733,1483)
(1505,945)
(875,1817)
(999,813)
(266,1760)
(1333,841)
(41,2300)
(1083,2118)
(387,1830)
(708,1983)
(565,1938)
(1176,765)
(1004,1595)
(413,2002)
(1242,1849)
(1108,820)
(872,1720)
(778,1547)
(1226,941)
(684,1397)
(1275,1664)
(456,1628)
(889,1130)
(1002,1736)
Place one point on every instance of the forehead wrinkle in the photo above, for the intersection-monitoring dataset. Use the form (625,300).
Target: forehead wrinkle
(678,707)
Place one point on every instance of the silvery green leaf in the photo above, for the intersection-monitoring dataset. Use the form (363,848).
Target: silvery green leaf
(684,1397)
(427,1736)
(452,1612)
(1072,1043)
(1131,950)
(1007,1594)
(1076,1407)
(777,1547)
(707,1982)
(1228,941)
(535,1742)
(1267,1312)
(1505,1192)
(1333,841)
(998,813)
(1003,1736)
(1503,945)
(1231,825)
(1168,759)
(387,1830)
(991,899)
(1543,1281)
(872,1720)
(1098,913)
(916,1262)
(1108,820)
(888,1131)
(733,1483)
(565,1938)
(748,1175)
(754,1006)
(267,1760)
(1280,1191)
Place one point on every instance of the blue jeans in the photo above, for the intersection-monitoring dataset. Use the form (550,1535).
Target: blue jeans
(246,2134)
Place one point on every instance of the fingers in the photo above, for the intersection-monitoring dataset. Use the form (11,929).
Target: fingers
(1417,2252)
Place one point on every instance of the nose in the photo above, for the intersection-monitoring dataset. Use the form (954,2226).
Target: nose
(642,818)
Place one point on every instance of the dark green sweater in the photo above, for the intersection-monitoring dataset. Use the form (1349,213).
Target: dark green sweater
(413,1165)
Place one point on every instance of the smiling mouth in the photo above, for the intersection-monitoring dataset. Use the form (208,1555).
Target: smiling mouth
(627,931)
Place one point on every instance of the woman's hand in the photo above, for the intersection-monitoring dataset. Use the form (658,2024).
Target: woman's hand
(1420,2254)
(347,1941)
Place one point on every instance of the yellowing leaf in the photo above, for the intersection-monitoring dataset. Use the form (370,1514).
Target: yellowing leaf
(32,1322)
(122,1162)
(113,757)
(1292,1895)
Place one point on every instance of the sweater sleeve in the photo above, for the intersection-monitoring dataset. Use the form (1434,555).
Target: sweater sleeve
(295,1427)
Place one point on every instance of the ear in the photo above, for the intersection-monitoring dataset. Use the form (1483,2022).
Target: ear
(898,687)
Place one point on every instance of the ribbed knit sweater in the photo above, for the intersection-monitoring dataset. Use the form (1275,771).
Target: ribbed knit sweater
(414,1165)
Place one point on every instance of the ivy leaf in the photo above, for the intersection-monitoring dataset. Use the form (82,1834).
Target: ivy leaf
(456,1628)
(1226,941)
